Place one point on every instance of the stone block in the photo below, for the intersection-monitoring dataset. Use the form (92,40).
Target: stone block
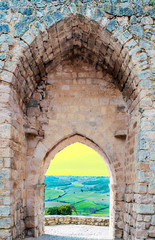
(147,218)
(4,5)
(144,166)
(5,233)
(20,29)
(28,38)
(6,39)
(5,131)
(112,25)
(33,111)
(139,218)
(7,200)
(138,11)
(137,30)
(7,162)
(147,20)
(145,177)
(4,28)
(25,11)
(57,16)
(141,188)
(5,173)
(7,77)
(145,208)
(40,151)
(1,163)
(141,234)
(4,211)
(151,188)
(133,20)
(153,220)
(2,56)
(48,20)
(152,231)
(146,44)
(124,37)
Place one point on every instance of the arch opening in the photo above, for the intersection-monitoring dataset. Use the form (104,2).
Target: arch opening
(93,170)
(77,159)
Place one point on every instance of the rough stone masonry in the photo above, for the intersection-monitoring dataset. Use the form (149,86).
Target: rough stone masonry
(77,71)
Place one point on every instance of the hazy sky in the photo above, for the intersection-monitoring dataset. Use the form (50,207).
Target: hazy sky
(77,160)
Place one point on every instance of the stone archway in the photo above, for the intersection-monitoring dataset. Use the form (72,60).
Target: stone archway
(69,115)
(30,54)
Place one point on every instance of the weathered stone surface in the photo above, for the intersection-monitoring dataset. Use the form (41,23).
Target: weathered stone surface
(152,231)
(112,25)
(97,221)
(4,211)
(153,220)
(116,39)
(4,223)
(121,133)
(4,173)
(142,188)
(5,131)
(141,234)
(4,28)
(151,188)
(137,30)
(31,131)
(20,29)
(145,208)
(5,233)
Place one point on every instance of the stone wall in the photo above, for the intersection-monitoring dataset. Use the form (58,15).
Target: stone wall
(113,37)
(85,220)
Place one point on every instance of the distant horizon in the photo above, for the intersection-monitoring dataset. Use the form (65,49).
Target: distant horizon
(72,176)
(77,159)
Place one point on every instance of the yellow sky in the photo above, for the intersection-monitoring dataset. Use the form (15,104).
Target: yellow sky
(77,160)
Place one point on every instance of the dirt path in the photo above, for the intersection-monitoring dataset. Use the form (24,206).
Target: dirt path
(75,232)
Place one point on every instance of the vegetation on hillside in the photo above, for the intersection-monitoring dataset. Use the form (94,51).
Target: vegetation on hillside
(88,195)
(62,210)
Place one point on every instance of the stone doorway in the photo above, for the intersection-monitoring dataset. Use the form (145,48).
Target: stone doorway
(83,104)
(26,131)
(70,146)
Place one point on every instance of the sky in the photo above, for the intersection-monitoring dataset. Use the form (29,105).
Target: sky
(77,160)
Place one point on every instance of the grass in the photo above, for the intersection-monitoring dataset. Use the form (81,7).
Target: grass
(77,185)
(76,197)
(53,204)
(86,204)
(52,194)
(98,197)
(86,207)
(102,213)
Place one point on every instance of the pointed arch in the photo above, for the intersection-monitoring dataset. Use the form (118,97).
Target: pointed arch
(87,31)
(73,138)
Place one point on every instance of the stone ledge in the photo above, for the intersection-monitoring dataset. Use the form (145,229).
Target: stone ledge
(121,134)
(83,220)
(31,131)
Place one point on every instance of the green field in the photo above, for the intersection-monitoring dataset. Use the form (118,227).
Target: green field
(52,194)
(89,195)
